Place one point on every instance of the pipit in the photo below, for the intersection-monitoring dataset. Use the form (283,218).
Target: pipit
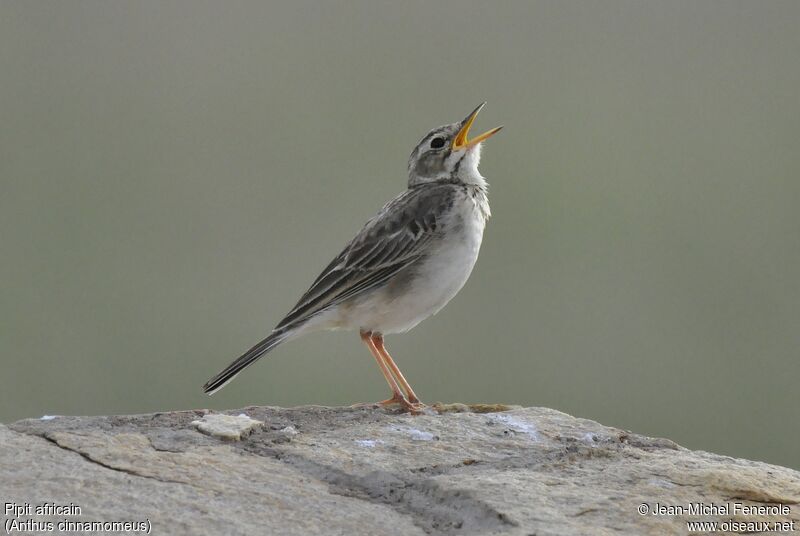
(404,265)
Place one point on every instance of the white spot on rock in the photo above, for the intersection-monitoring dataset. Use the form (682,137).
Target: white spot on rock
(517,425)
(661,483)
(589,438)
(416,435)
(227,427)
(47,417)
(369,443)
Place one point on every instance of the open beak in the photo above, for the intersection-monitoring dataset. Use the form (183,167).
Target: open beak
(462,142)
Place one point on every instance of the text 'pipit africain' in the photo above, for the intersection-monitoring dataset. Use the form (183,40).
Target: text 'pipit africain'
(404,265)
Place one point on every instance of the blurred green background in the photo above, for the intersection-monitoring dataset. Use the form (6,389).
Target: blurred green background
(174,175)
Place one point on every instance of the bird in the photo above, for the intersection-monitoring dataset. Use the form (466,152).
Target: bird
(404,265)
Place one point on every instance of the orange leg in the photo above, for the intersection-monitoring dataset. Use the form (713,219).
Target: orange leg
(397,394)
(377,340)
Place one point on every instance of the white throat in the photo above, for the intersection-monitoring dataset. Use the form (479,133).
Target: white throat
(467,171)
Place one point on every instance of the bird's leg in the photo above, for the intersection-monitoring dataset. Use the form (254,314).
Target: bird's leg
(377,340)
(397,394)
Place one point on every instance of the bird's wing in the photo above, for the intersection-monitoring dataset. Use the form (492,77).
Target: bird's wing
(394,239)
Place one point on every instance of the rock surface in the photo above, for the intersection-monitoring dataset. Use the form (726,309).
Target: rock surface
(317,470)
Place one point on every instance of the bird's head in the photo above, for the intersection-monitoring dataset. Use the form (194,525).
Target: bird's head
(446,153)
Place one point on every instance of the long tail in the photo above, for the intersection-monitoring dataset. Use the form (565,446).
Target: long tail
(251,356)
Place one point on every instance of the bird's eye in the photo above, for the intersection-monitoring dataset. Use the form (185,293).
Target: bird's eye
(437,143)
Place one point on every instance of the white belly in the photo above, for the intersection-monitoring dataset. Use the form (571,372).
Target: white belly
(436,280)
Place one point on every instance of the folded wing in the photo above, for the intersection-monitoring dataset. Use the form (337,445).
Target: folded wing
(397,237)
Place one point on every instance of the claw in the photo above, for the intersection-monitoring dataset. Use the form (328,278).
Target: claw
(414,408)
(395,400)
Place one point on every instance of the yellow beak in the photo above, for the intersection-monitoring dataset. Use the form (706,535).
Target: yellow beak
(461,141)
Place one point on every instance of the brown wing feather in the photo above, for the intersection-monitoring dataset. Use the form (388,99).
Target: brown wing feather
(392,240)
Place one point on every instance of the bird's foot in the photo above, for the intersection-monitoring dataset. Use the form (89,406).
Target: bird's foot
(396,400)
(417,409)
(414,407)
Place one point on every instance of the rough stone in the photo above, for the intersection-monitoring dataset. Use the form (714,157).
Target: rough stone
(229,427)
(461,470)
